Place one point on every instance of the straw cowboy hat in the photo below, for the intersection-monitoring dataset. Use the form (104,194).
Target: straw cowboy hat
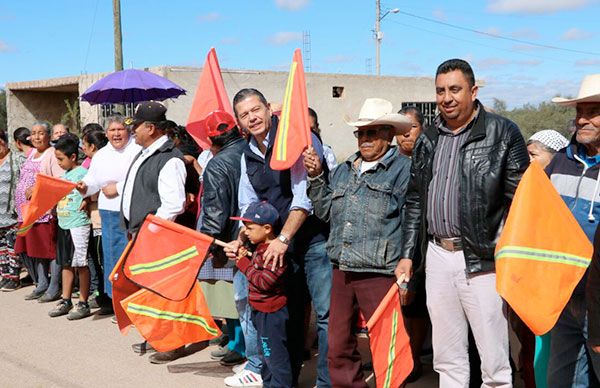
(589,91)
(377,111)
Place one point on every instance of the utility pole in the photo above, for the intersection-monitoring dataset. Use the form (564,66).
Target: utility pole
(117,34)
(377,35)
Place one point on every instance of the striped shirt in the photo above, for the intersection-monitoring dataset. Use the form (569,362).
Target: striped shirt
(443,202)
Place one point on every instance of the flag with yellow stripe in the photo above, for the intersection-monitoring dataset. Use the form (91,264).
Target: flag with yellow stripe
(168,324)
(389,342)
(293,130)
(542,253)
(166,258)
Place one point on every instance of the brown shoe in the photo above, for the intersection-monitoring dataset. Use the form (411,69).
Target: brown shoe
(165,357)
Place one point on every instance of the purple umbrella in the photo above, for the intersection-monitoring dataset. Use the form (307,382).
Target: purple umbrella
(130,86)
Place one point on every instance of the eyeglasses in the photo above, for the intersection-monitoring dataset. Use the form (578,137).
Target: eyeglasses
(369,133)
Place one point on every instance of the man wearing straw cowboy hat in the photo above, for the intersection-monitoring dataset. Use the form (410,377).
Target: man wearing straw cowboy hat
(465,169)
(574,172)
(363,199)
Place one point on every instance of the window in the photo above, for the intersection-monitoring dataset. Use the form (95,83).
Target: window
(338,92)
(428,109)
(107,110)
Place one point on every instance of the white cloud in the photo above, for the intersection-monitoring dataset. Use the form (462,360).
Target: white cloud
(4,47)
(210,17)
(439,14)
(525,33)
(588,62)
(526,47)
(534,6)
(488,63)
(284,37)
(493,31)
(529,62)
(229,41)
(576,34)
(339,58)
(517,92)
(292,5)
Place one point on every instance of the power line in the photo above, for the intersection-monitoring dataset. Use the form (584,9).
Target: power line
(90,40)
(498,36)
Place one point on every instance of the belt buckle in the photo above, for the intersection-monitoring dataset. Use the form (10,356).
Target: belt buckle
(447,244)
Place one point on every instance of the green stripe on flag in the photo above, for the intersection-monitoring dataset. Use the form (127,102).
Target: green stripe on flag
(22,230)
(281,153)
(167,262)
(392,352)
(171,316)
(525,253)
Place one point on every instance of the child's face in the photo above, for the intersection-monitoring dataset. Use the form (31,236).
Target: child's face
(65,162)
(256,233)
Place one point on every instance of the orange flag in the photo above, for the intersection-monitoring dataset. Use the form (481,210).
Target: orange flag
(210,96)
(390,345)
(542,253)
(166,258)
(168,324)
(47,191)
(293,131)
(121,289)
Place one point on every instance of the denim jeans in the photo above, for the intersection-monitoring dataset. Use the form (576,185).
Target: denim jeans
(317,269)
(240,294)
(571,359)
(114,240)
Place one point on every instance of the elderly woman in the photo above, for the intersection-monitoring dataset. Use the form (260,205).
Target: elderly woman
(110,165)
(10,263)
(542,146)
(38,247)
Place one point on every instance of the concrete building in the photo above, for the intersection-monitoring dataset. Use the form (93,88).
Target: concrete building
(333,96)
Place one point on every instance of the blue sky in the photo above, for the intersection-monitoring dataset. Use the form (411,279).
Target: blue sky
(60,38)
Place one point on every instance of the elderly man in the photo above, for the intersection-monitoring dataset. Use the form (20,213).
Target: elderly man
(574,173)
(464,172)
(363,201)
(110,165)
(302,233)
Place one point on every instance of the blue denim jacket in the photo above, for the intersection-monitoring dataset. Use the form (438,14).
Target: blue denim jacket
(365,212)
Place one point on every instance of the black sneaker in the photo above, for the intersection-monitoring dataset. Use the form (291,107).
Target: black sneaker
(35,295)
(81,310)
(232,358)
(26,281)
(10,285)
(106,309)
(62,308)
(3,282)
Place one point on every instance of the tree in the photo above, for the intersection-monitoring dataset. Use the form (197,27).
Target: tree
(3,120)
(532,118)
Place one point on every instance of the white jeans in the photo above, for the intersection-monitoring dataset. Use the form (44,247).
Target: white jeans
(455,301)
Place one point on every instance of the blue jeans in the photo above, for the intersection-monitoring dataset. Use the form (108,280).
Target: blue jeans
(571,359)
(240,294)
(114,241)
(318,272)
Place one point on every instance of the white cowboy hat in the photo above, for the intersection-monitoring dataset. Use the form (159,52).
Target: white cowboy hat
(377,111)
(589,91)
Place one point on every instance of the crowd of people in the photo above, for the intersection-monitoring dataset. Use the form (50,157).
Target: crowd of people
(417,206)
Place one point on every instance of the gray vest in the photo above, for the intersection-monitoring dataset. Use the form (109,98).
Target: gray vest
(145,198)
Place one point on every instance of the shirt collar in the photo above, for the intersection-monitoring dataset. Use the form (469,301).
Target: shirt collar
(589,160)
(155,146)
(384,161)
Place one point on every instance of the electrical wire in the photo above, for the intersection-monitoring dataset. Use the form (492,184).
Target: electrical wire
(91,35)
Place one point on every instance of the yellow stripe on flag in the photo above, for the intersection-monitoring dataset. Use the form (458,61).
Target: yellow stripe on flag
(281,151)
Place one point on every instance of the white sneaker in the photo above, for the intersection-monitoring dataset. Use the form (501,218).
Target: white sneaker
(245,378)
(239,367)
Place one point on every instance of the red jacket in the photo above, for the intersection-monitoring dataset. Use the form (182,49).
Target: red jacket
(266,289)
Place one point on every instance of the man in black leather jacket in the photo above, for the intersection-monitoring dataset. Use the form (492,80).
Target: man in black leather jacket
(464,173)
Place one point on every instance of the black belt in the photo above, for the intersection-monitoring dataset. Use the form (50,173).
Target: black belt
(451,244)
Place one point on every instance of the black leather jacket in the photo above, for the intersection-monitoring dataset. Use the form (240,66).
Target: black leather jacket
(219,202)
(492,162)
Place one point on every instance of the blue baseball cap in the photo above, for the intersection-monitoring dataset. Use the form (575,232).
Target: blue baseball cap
(261,213)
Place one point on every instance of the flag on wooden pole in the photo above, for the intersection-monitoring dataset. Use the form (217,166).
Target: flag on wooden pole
(293,131)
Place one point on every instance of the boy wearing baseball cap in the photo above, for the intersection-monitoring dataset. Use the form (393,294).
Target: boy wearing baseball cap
(266,294)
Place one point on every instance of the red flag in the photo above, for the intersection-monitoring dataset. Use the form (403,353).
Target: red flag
(390,345)
(166,257)
(47,191)
(542,253)
(121,289)
(168,324)
(293,131)
(210,96)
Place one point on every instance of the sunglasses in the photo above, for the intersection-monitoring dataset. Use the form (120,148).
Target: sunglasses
(369,133)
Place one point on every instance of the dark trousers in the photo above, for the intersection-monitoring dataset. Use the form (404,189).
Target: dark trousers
(366,290)
(272,346)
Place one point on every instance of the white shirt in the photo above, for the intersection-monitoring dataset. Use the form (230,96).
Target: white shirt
(109,165)
(171,184)
(203,159)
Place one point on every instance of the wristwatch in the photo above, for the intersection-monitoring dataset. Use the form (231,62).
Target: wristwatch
(283,239)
